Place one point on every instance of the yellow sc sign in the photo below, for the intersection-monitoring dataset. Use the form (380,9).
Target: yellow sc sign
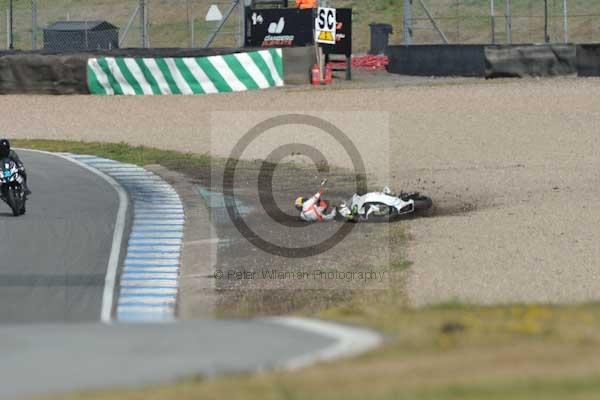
(325,25)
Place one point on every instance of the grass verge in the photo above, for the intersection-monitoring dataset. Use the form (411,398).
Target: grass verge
(450,351)
(123,152)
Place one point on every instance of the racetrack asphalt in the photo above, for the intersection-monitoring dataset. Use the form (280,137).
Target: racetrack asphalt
(54,359)
(53,259)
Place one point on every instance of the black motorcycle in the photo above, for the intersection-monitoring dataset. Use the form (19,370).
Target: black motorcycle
(11,187)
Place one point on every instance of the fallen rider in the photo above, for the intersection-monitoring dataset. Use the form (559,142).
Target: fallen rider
(315,208)
(371,206)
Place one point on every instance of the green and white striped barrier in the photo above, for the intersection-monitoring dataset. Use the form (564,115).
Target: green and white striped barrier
(157,76)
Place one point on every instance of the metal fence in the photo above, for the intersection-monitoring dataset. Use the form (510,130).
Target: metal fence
(182,23)
(500,21)
(478,21)
(148,23)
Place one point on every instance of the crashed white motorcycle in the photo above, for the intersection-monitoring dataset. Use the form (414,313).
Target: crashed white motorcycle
(383,206)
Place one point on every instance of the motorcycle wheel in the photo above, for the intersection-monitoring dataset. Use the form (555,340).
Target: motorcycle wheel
(423,205)
(14,201)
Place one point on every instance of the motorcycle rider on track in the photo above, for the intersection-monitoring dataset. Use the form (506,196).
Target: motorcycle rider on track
(315,208)
(6,152)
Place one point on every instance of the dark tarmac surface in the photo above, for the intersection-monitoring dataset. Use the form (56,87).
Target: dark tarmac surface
(53,259)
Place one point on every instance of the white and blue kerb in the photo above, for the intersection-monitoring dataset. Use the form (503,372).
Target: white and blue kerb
(149,280)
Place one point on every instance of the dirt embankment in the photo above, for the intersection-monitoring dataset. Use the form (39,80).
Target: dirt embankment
(512,166)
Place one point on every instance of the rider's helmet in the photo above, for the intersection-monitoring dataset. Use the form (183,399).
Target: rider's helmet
(298,203)
(4,148)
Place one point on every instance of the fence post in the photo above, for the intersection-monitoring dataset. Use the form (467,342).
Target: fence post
(241,40)
(11,44)
(492,22)
(193,32)
(566,20)
(546,37)
(143,25)
(188,10)
(407,20)
(508,16)
(33,24)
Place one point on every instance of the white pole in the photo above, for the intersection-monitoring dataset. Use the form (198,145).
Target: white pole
(566,20)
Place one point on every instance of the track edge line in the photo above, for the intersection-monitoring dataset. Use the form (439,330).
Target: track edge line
(349,340)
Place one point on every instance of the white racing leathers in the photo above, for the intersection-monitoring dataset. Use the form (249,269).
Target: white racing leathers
(313,210)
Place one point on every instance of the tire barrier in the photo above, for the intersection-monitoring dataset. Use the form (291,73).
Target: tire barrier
(495,61)
(65,72)
(189,75)
(530,60)
(588,59)
(437,60)
(42,74)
